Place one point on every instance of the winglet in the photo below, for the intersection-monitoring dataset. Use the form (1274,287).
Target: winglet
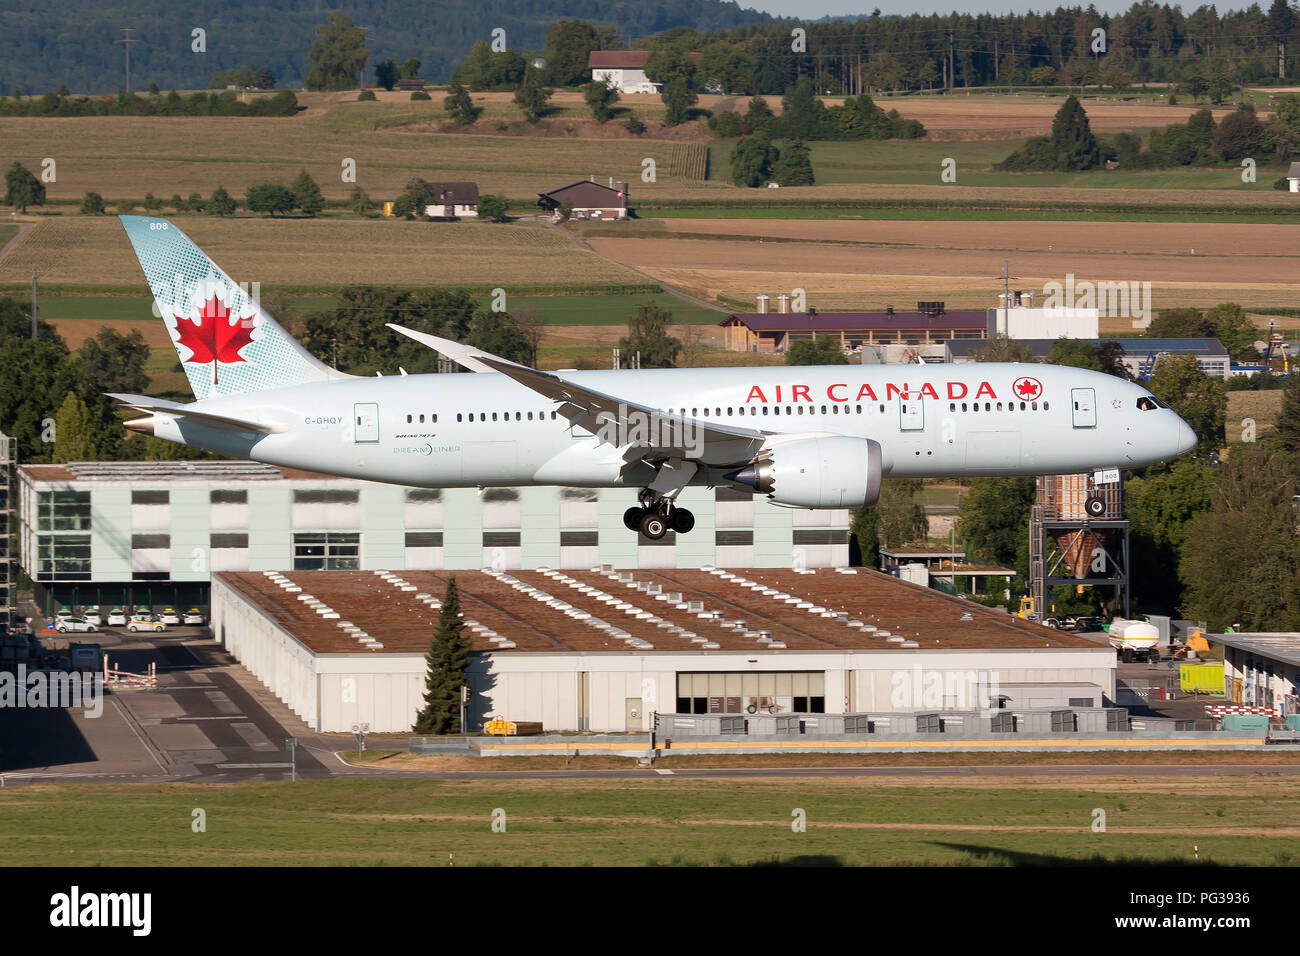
(476,360)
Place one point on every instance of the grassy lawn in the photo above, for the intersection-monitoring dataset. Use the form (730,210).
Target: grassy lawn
(921,162)
(559,822)
(7,233)
(941,495)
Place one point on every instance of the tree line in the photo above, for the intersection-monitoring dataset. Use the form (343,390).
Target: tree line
(1067,46)
(54,405)
(1200,53)
(23,188)
(157,103)
(1072,146)
(748,52)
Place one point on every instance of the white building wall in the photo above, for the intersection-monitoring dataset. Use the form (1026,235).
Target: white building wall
(331,692)
(1019,322)
(625,80)
(382,515)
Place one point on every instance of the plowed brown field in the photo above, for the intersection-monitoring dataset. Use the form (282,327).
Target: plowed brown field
(869,264)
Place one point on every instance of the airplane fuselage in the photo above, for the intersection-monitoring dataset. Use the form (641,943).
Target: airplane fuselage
(484,429)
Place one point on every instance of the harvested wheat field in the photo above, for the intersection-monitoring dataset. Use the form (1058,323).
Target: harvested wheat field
(94,253)
(870,264)
(1030,114)
(1172,239)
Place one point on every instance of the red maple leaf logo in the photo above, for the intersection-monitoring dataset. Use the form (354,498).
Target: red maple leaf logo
(213,338)
(1027,387)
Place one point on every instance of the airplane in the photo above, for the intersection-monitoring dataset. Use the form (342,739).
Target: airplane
(803,436)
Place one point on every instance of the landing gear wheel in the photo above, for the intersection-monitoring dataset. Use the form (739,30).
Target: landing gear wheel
(632,518)
(1095,506)
(653,526)
(683,520)
(752,708)
(1153,656)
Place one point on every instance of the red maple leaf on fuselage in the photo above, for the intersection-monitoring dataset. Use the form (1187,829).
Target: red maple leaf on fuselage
(1027,388)
(213,339)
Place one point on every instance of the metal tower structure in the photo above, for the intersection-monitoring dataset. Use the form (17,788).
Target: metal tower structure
(7,556)
(1078,536)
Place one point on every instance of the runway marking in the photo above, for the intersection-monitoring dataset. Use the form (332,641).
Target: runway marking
(664,772)
(128,718)
(254,766)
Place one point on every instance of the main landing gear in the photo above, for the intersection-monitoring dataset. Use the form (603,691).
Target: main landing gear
(655,518)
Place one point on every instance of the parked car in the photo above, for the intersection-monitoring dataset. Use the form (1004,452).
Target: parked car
(92,615)
(195,617)
(145,622)
(76,625)
(1086,623)
(117,617)
(65,614)
(169,616)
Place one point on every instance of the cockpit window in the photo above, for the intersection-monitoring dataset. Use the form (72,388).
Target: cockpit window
(1148,402)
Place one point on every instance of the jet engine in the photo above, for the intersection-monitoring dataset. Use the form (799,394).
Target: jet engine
(831,472)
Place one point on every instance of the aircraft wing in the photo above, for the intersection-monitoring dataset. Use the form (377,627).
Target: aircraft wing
(646,433)
(143,403)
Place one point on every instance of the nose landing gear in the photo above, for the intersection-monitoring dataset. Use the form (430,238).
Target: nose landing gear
(655,518)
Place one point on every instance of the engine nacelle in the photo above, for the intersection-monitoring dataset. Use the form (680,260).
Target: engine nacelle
(832,472)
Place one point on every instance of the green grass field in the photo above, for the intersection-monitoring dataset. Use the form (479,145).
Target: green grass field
(881,822)
(920,162)
(7,233)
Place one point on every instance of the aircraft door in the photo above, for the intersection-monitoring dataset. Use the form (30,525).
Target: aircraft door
(365,422)
(1084,403)
(911,411)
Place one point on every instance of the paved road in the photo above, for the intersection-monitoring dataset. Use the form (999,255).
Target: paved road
(209,720)
(23,229)
(1072,770)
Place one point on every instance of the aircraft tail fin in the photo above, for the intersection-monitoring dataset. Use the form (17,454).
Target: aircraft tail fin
(227,343)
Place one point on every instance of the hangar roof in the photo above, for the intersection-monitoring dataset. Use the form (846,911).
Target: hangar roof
(1277,645)
(751,609)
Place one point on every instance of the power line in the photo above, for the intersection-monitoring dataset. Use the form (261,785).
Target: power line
(127,39)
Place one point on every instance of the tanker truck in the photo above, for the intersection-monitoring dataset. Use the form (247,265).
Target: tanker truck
(1135,640)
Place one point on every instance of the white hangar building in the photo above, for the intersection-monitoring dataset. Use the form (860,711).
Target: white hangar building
(604,650)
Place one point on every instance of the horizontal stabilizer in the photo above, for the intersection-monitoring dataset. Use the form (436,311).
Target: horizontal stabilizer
(160,406)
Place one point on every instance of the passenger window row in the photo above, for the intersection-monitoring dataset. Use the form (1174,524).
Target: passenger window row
(991,406)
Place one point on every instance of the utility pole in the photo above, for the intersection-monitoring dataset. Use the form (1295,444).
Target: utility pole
(127,39)
(952,71)
(1006,294)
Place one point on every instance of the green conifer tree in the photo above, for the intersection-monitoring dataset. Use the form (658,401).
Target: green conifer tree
(447,661)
